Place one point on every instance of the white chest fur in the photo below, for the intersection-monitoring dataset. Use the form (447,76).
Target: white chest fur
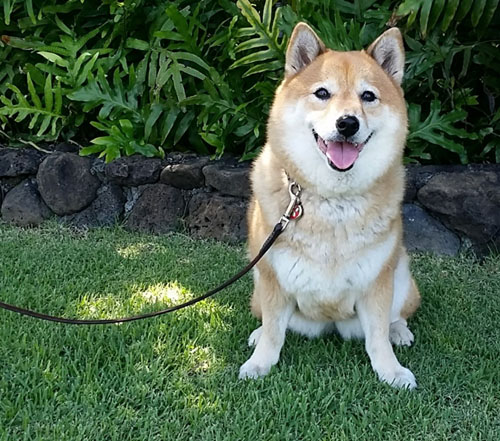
(332,256)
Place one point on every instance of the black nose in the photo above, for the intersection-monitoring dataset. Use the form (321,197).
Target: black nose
(347,125)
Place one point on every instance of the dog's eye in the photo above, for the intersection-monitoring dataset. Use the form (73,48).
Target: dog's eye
(368,96)
(322,94)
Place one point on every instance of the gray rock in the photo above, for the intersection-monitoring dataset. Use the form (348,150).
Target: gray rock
(66,183)
(23,205)
(106,210)
(67,147)
(134,170)
(186,175)
(158,209)
(418,175)
(98,168)
(424,233)
(178,157)
(219,217)
(7,184)
(19,162)
(132,194)
(466,201)
(229,179)
(410,190)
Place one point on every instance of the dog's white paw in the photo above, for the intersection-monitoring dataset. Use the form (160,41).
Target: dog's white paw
(399,334)
(250,369)
(255,337)
(401,378)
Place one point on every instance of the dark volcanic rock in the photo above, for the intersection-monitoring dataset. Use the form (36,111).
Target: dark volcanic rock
(419,175)
(19,162)
(467,202)
(410,192)
(104,211)
(98,168)
(424,233)
(67,147)
(411,186)
(66,183)
(219,217)
(7,184)
(23,205)
(158,209)
(187,174)
(230,179)
(134,170)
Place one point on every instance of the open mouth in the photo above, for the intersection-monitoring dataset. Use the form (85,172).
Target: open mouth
(341,155)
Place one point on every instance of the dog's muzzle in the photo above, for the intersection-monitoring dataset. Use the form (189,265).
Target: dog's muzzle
(340,154)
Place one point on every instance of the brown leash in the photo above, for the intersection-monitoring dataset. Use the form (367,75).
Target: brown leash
(293,211)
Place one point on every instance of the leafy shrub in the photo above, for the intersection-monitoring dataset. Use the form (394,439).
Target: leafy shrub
(148,76)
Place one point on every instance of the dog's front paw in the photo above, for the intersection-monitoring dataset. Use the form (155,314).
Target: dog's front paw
(399,334)
(250,369)
(400,377)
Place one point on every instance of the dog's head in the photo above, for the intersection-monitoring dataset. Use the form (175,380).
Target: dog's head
(339,118)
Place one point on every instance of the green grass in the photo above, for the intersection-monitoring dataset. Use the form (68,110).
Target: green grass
(175,377)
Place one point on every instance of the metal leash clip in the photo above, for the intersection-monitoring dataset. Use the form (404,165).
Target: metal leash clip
(294,209)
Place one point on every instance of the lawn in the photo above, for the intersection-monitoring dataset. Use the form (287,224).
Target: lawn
(175,377)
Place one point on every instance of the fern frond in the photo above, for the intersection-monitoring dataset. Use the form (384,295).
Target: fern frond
(439,129)
(263,33)
(122,139)
(444,13)
(114,100)
(43,114)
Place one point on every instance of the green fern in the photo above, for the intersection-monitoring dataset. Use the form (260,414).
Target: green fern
(115,100)
(267,45)
(122,138)
(44,113)
(437,129)
(443,13)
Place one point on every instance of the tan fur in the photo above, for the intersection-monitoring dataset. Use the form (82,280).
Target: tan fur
(368,218)
(412,302)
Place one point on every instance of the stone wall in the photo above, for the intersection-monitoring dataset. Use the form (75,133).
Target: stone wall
(446,208)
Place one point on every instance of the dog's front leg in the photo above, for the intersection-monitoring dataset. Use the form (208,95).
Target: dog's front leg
(276,312)
(374,314)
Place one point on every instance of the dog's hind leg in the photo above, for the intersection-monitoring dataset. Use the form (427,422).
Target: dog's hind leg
(405,301)
(255,336)
(400,334)
(276,311)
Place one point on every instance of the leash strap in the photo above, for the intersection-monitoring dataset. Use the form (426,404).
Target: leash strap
(294,190)
(278,229)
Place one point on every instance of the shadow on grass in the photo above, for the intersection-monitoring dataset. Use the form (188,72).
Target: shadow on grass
(111,273)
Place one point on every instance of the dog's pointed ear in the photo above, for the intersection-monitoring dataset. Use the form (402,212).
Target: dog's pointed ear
(388,51)
(303,48)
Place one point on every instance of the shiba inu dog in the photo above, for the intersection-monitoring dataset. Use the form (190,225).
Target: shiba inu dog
(337,128)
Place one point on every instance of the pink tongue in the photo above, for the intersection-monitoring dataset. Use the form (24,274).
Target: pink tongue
(342,154)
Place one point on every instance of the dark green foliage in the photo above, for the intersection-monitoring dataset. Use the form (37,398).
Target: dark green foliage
(151,76)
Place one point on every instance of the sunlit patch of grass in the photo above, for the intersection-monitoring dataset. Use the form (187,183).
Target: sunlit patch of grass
(168,294)
(137,249)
